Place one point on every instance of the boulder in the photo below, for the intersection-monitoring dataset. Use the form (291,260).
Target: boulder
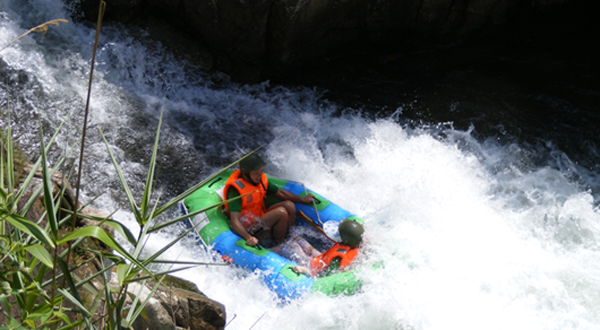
(177,304)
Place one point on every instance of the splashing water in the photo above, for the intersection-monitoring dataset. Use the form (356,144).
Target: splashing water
(471,233)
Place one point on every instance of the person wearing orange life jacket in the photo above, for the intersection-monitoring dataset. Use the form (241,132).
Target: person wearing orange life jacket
(249,217)
(337,258)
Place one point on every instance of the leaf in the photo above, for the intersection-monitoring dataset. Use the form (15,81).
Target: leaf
(69,279)
(121,229)
(188,192)
(122,270)
(41,254)
(62,316)
(30,323)
(35,316)
(166,247)
(43,309)
(74,324)
(99,233)
(130,318)
(151,169)
(26,183)
(30,228)
(192,214)
(114,224)
(130,199)
(48,187)
(74,301)
(167,272)
(9,159)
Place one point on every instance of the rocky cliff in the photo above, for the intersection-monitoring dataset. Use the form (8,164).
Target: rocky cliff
(256,39)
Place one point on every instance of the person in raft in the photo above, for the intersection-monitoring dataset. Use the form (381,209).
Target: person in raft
(248,216)
(337,258)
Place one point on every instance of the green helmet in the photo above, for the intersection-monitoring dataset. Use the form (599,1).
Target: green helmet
(350,232)
(251,163)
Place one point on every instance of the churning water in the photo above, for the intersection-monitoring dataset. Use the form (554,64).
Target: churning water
(475,232)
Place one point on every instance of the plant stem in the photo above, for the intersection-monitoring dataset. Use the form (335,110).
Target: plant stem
(83,133)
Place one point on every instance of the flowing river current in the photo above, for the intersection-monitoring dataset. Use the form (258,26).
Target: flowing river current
(480,199)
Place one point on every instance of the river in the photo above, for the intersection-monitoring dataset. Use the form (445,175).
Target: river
(475,167)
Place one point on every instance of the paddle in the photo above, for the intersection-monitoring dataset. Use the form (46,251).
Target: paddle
(314,225)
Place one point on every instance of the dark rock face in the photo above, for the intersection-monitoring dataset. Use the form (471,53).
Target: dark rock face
(256,39)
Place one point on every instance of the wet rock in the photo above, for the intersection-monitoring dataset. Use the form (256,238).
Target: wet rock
(178,304)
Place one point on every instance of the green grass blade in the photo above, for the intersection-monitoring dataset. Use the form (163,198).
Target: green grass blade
(27,226)
(93,276)
(114,224)
(75,302)
(73,325)
(121,229)
(166,272)
(106,281)
(122,271)
(151,169)
(70,282)
(188,192)
(10,177)
(135,297)
(2,161)
(196,263)
(190,215)
(37,164)
(131,317)
(166,247)
(41,254)
(99,233)
(129,195)
(48,186)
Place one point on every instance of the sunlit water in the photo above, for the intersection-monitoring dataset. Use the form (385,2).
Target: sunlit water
(473,234)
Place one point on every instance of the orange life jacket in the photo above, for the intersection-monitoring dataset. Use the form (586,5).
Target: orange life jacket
(254,202)
(344,252)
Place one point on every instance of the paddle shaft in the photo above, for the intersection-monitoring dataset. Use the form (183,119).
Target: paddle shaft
(314,205)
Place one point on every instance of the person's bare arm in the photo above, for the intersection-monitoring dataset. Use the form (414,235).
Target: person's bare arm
(237,228)
(286,195)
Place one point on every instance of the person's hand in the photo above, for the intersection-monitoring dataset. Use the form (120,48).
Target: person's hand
(307,199)
(252,241)
(302,270)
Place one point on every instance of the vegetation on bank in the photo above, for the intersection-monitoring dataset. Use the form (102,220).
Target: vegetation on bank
(55,274)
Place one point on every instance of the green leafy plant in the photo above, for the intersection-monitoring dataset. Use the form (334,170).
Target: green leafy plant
(34,253)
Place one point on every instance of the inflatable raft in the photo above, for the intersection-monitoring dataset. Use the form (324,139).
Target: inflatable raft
(276,271)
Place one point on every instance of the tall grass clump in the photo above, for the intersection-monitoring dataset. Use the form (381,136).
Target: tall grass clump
(39,287)
(42,285)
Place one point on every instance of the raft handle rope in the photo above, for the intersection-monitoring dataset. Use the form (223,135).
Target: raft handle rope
(313,202)
(217,180)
